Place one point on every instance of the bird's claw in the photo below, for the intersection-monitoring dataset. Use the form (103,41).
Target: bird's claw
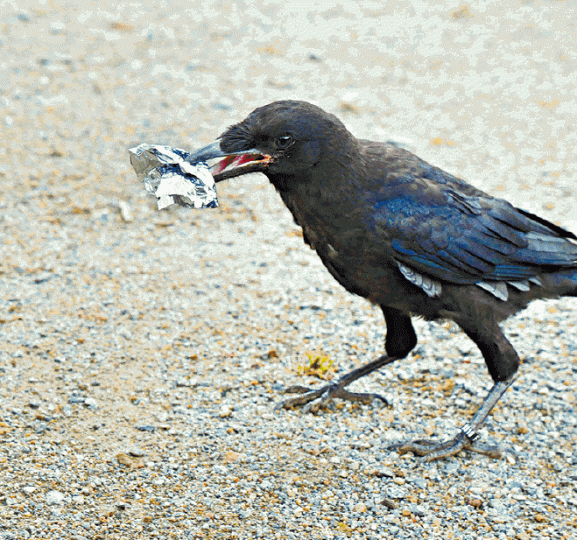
(324,395)
(466,439)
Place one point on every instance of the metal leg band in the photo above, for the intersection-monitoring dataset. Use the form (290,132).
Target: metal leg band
(470,433)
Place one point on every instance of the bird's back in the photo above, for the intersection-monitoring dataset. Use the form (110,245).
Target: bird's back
(390,222)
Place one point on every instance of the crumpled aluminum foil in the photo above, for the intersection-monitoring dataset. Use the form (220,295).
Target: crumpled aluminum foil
(167,174)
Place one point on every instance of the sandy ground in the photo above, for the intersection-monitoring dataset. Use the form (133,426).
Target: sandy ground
(143,352)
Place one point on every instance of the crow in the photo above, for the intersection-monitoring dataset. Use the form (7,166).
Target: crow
(407,236)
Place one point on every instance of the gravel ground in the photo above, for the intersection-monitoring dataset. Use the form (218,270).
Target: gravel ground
(143,351)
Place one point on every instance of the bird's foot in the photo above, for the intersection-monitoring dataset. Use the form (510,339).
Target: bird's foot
(466,439)
(323,396)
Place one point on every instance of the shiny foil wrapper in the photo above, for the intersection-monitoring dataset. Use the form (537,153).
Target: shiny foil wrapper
(167,174)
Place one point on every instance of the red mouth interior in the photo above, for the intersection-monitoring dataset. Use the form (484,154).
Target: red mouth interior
(235,161)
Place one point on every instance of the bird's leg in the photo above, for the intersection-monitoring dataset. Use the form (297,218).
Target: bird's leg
(336,389)
(401,339)
(502,362)
(466,438)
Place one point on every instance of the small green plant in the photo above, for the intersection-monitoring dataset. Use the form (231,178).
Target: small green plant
(317,365)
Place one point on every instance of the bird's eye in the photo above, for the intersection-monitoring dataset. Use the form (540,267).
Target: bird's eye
(284,141)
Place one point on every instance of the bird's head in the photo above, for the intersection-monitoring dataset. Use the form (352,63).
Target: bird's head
(284,138)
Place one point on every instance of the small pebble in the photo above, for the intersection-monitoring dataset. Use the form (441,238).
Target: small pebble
(54,497)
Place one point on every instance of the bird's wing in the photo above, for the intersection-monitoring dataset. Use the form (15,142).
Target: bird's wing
(446,235)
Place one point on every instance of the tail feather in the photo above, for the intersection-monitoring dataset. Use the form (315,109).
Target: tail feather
(565,282)
(555,285)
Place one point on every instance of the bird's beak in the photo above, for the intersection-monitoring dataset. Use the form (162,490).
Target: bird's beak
(225,165)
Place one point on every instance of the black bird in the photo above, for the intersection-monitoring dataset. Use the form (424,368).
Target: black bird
(407,236)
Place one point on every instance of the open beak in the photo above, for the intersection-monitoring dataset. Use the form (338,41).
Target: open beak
(225,165)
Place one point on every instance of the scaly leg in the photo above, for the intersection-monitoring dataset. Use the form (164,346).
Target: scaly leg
(337,389)
(466,438)
(401,339)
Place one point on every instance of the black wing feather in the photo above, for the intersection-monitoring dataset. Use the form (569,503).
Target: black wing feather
(467,239)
